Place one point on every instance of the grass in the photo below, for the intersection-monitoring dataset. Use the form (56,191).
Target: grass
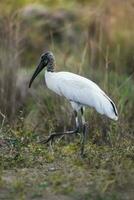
(29,170)
(102,50)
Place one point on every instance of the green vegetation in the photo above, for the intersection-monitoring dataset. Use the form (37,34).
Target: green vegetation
(91,38)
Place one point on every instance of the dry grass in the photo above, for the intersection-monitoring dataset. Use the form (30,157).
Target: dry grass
(102,50)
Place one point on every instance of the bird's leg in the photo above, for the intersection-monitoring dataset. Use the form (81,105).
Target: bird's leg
(84,130)
(53,135)
(77,123)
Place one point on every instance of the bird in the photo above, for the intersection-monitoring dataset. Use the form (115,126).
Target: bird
(78,90)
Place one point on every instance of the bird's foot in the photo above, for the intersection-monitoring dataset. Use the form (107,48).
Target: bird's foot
(83,155)
(50,138)
(53,135)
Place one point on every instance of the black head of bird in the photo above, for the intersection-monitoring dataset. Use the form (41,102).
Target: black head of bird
(47,59)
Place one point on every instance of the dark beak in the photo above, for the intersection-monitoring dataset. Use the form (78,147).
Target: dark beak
(39,68)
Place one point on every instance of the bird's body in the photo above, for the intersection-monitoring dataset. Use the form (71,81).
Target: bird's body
(81,91)
(78,90)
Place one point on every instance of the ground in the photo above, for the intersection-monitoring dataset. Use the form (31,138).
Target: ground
(94,39)
(30,170)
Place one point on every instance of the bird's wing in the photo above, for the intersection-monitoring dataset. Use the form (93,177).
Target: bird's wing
(86,92)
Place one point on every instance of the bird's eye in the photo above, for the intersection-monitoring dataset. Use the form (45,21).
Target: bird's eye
(42,57)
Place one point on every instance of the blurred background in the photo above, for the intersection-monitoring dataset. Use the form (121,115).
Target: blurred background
(93,38)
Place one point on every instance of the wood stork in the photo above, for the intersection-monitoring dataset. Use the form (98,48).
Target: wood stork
(78,90)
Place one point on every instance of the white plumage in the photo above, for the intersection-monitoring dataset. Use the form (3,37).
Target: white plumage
(80,92)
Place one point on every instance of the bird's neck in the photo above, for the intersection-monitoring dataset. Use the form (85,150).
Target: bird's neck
(51,66)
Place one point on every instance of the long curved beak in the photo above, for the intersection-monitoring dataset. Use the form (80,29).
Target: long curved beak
(39,68)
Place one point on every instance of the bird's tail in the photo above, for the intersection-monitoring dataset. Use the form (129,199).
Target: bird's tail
(113,113)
